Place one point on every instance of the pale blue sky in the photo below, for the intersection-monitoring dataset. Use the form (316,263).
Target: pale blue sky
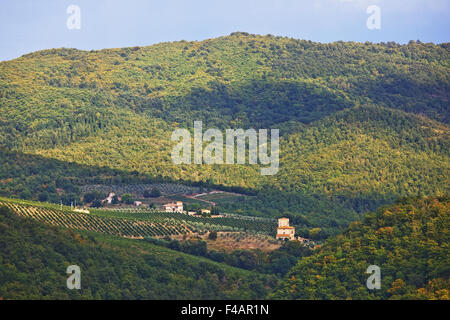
(30,25)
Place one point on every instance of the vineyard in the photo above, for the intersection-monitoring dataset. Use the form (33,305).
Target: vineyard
(135,223)
(121,227)
(230,222)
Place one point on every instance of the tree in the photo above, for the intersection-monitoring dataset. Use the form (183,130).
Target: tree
(215,210)
(115,200)
(54,198)
(25,194)
(43,196)
(192,207)
(127,199)
(212,235)
(314,233)
(89,197)
(96,204)
(147,193)
(204,214)
(154,193)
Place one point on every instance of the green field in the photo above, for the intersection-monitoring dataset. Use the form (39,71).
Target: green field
(223,197)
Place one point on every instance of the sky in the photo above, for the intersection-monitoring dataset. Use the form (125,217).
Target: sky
(31,25)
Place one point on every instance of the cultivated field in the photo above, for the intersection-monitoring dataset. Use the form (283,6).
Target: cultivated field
(230,241)
(136,223)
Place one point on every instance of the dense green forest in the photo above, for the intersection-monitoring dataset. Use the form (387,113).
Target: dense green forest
(34,258)
(409,241)
(362,124)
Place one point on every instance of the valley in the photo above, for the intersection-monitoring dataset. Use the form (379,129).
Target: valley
(87,177)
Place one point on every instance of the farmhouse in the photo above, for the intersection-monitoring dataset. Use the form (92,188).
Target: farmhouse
(285,231)
(173,207)
(110,197)
(137,203)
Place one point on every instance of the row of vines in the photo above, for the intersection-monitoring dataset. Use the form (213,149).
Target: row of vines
(226,223)
(114,226)
(136,223)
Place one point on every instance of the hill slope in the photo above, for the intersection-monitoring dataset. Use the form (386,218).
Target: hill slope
(409,241)
(362,124)
(34,258)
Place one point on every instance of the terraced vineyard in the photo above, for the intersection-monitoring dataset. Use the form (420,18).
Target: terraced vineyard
(135,223)
(132,228)
(227,223)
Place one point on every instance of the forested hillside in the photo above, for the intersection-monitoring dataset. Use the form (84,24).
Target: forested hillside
(362,124)
(34,258)
(409,241)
